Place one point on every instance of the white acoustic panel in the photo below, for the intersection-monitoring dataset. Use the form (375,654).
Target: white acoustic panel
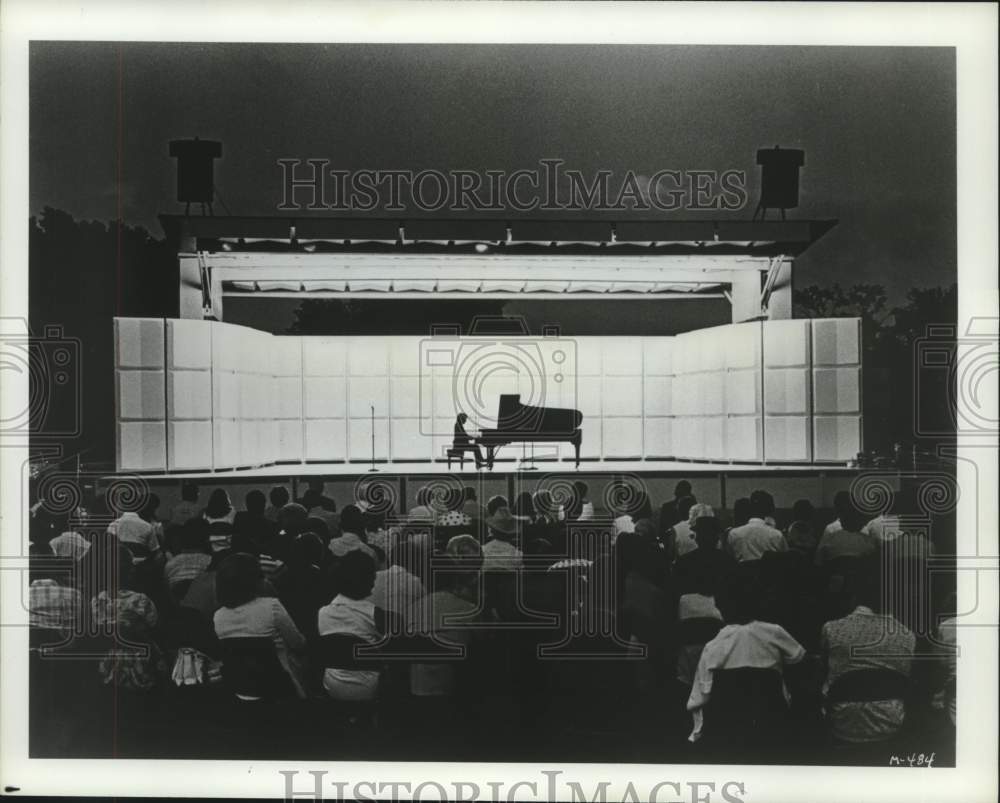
(714,437)
(405,356)
(836,341)
(189,343)
(140,395)
(836,437)
(139,342)
(409,441)
(742,345)
(685,356)
(324,356)
(443,401)
(142,446)
(786,343)
(365,392)
(656,396)
(326,439)
(250,443)
(687,437)
(590,429)
(589,356)
(324,397)
(787,438)
(786,391)
(656,356)
(226,444)
(622,357)
(289,443)
(287,397)
(743,392)
(286,356)
(657,440)
(709,348)
(621,396)
(189,394)
(622,437)
(713,392)
(359,438)
(743,438)
(227,394)
(228,343)
(836,390)
(267,434)
(688,394)
(190,445)
(404,396)
(368,356)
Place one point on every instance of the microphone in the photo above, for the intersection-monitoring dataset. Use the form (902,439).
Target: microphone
(373,440)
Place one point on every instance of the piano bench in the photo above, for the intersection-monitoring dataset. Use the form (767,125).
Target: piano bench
(458,452)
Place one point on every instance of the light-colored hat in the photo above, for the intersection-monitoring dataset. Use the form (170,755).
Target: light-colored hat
(502,521)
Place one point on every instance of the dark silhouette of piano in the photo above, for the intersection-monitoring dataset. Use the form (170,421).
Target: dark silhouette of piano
(522,423)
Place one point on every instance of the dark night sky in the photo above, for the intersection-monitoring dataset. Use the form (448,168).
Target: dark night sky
(877,125)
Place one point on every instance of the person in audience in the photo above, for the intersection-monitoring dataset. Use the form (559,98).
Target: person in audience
(54,603)
(352,613)
(315,497)
(546,523)
(352,527)
(841,504)
(292,520)
(581,508)
(696,601)
(682,507)
(137,535)
(744,642)
(865,639)
(683,539)
(671,512)
(304,587)
(524,506)
(741,512)
(68,543)
(220,515)
(252,521)
(202,595)
(453,515)
(423,511)
(398,585)
(148,514)
(243,613)
(946,645)
(705,563)
(848,541)
(495,503)
(756,537)
(327,511)
(194,556)
(499,551)
(134,660)
(443,612)
(376,534)
(801,533)
(277,498)
(471,506)
(888,526)
(188,507)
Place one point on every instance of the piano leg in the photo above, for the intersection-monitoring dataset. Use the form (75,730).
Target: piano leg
(489,457)
(576,447)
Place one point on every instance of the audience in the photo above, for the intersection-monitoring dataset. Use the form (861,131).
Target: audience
(683,538)
(673,512)
(398,585)
(352,532)
(193,558)
(801,532)
(253,521)
(846,541)
(187,508)
(499,552)
(303,587)
(277,498)
(220,515)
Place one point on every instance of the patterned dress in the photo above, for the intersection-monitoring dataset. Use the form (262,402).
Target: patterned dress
(134,660)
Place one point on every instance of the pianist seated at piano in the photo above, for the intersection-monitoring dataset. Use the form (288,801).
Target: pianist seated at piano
(463,441)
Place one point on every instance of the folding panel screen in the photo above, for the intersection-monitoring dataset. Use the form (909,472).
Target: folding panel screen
(200,395)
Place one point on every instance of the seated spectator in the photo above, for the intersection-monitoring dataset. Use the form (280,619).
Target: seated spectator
(684,530)
(744,642)
(423,510)
(188,507)
(847,541)
(202,594)
(398,585)
(680,507)
(220,514)
(314,496)
(741,515)
(471,506)
(645,609)
(68,543)
(134,660)
(756,537)
(841,504)
(245,614)
(524,506)
(291,521)
(495,503)
(352,526)
(253,523)
(696,601)
(352,613)
(304,587)
(801,533)
(672,512)
(456,597)
(453,517)
(326,511)
(376,534)
(277,498)
(148,514)
(865,639)
(54,605)
(137,535)
(499,552)
(194,556)
(887,526)
(706,564)
(581,508)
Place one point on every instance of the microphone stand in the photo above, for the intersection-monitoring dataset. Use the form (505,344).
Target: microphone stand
(373,441)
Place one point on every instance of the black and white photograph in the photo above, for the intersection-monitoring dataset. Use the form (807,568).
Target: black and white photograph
(477,401)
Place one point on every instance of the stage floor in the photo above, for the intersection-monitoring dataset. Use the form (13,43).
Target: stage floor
(505,467)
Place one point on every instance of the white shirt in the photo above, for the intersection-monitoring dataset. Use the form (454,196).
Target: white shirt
(501,556)
(684,538)
(586,512)
(396,589)
(756,645)
(354,617)
(132,529)
(883,528)
(754,538)
(833,527)
(348,542)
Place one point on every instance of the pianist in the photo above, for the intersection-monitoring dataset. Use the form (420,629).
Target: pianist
(463,441)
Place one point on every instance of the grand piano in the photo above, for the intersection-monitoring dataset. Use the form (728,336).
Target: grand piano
(522,423)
